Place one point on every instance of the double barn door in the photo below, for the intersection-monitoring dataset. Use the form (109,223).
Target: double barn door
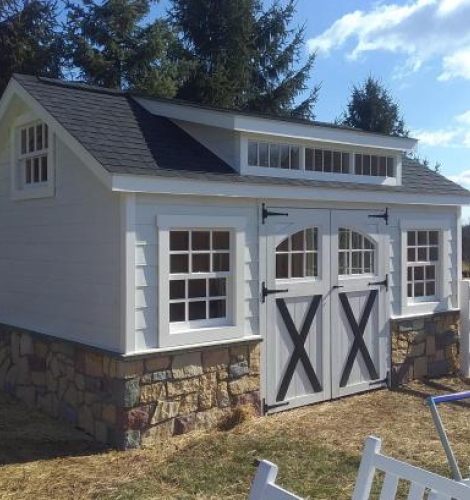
(325,296)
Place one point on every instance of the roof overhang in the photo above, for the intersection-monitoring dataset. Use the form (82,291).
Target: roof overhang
(219,188)
(276,128)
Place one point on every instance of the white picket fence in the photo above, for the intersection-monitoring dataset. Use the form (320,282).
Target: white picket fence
(422,484)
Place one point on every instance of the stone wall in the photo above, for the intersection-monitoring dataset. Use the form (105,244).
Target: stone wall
(425,347)
(128,402)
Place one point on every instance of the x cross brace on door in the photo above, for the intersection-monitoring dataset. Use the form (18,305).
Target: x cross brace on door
(358,332)
(298,339)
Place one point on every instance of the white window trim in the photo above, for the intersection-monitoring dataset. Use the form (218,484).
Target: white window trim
(443,300)
(301,173)
(168,337)
(19,191)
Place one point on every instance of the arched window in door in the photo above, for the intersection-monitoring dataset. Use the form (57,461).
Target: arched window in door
(356,253)
(297,255)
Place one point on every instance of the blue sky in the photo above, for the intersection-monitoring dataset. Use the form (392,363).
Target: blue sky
(420,49)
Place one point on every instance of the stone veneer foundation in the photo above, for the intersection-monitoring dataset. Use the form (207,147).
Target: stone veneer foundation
(425,347)
(125,402)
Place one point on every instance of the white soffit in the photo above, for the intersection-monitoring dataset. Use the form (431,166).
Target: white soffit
(273,127)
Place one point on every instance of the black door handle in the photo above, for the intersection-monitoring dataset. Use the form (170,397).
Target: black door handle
(337,286)
(266,291)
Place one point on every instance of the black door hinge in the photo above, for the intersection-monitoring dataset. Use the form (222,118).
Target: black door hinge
(378,382)
(267,407)
(383,216)
(266,291)
(265,213)
(380,283)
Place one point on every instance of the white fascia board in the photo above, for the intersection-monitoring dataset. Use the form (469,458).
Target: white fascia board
(275,128)
(15,88)
(191,187)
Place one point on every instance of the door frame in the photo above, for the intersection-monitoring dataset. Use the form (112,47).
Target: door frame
(283,210)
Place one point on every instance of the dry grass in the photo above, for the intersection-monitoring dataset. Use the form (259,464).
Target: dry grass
(318,450)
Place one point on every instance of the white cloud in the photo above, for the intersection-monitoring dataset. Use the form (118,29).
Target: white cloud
(464,118)
(441,138)
(422,30)
(463,179)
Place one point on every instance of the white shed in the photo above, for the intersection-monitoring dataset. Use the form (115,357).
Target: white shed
(176,261)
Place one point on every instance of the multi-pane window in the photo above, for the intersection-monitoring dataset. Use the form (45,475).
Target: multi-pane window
(200,272)
(33,154)
(356,253)
(297,255)
(422,249)
(325,160)
(374,165)
(263,154)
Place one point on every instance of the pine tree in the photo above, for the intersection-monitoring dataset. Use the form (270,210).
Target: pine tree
(244,57)
(372,108)
(30,39)
(112,44)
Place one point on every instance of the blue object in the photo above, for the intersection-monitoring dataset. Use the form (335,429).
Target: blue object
(446,398)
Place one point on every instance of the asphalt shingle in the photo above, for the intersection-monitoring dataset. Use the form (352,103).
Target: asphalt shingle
(126,139)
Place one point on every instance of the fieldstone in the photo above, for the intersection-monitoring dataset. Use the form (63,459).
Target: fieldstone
(45,403)
(101,432)
(68,413)
(445,339)
(91,398)
(181,387)
(405,326)
(71,396)
(54,367)
(26,345)
(86,420)
(12,375)
(420,368)
(430,328)
(122,369)
(135,419)
(93,364)
(27,394)
(208,391)
(151,393)
(248,399)
(186,424)
(255,359)
(161,375)
(130,440)
(187,365)
(223,397)
(188,403)
(125,393)
(165,410)
(438,368)
(79,381)
(94,384)
(40,349)
(24,374)
(210,418)
(38,378)
(158,434)
(215,360)
(108,413)
(15,347)
(418,324)
(430,346)
(238,370)
(70,372)
(157,363)
(96,410)
(417,349)
(37,363)
(63,384)
(51,382)
(238,353)
(245,384)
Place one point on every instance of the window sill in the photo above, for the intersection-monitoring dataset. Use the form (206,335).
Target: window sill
(422,308)
(201,335)
(33,193)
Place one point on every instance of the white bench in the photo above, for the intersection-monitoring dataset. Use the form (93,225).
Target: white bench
(423,484)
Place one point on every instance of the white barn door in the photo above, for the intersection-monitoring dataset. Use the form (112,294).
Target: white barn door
(358,302)
(296,296)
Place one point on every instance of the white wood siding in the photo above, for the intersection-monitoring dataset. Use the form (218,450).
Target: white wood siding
(146,299)
(59,256)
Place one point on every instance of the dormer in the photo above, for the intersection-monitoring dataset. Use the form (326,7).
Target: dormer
(290,148)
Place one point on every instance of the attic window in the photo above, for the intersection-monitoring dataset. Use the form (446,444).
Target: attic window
(263,154)
(33,173)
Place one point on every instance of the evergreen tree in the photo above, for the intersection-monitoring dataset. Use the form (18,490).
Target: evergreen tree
(30,39)
(244,57)
(372,108)
(112,45)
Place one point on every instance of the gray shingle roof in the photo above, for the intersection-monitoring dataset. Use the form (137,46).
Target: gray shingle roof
(127,139)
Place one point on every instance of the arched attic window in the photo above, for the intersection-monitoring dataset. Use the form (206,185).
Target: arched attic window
(297,255)
(356,253)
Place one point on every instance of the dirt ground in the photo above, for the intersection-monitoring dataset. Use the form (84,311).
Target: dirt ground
(317,448)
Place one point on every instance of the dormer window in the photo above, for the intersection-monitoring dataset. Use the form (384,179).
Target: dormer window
(346,163)
(32,175)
